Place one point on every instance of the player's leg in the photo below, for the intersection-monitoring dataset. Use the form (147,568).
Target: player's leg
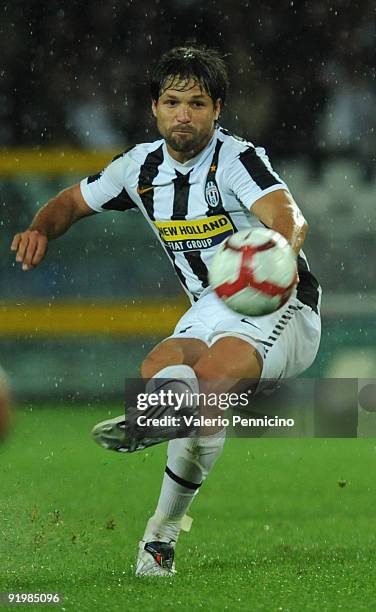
(171,360)
(230,364)
(168,367)
(189,460)
(172,352)
(283,344)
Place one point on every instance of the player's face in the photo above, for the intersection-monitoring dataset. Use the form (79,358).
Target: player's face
(186,118)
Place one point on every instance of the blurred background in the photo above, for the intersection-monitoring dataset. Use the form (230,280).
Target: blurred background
(74,92)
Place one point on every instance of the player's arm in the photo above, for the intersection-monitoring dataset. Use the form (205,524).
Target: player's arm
(279,211)
(51,221)
(252,179)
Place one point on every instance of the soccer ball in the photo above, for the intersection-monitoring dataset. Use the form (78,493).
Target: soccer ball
(254,271)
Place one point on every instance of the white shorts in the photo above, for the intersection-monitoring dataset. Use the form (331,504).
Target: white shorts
(287,340)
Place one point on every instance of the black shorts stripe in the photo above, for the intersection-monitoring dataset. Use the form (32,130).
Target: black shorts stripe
(282,323)
(148,171)
(257,169)
(181,196)
(197,266)
(308,289)
(184,483)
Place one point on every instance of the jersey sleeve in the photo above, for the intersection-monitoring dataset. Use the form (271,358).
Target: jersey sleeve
(250,176)
(109,189)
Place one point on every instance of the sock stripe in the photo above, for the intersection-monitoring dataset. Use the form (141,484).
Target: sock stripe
(184,483)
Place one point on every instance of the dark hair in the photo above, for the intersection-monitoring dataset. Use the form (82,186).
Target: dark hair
(201,64)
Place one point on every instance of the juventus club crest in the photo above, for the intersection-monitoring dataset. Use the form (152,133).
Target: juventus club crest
(212,194)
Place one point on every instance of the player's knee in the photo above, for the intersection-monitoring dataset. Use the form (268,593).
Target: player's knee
(213,369)
(150,366)
(213,377)
(210,368)
(207,370)
(229,358)
(161,357)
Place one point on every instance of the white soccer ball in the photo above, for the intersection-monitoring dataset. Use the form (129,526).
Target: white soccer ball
(254,271)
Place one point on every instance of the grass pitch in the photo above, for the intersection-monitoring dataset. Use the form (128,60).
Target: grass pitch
(279,525)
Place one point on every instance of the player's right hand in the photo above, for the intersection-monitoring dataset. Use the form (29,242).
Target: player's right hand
(31,247)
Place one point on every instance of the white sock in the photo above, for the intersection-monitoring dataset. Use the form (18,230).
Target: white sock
(189,460)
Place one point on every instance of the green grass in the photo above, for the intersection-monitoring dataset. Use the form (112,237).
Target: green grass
(272,530)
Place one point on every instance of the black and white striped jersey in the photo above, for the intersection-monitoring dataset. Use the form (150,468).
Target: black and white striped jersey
(191,207)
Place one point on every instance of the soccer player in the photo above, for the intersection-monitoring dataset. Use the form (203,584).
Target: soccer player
(195,186)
